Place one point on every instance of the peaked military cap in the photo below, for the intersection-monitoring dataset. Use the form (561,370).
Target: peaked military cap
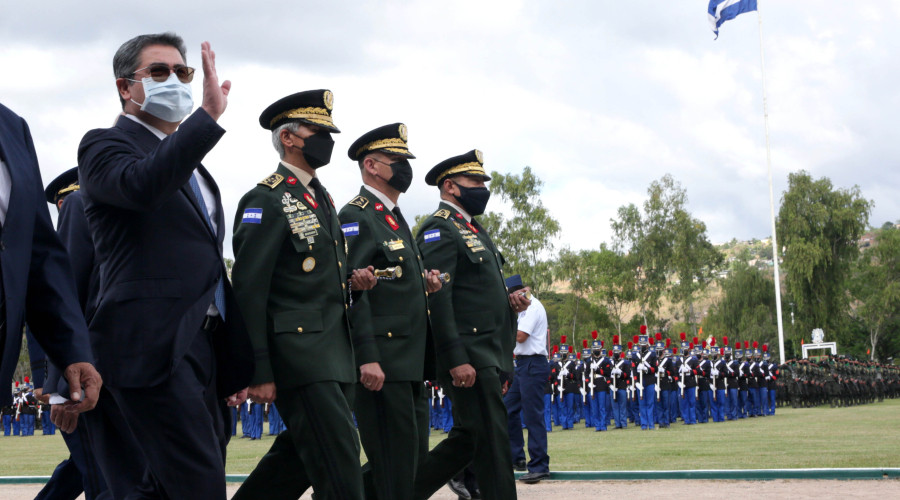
(312,107)
(65,183)
(470,163)
(387,139)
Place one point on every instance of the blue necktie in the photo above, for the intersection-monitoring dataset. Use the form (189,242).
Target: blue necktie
(220,287)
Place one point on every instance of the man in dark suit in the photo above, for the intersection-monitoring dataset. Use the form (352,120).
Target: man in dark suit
(391,327)
(166,321)
(35,276)
(474,319)
(289,277)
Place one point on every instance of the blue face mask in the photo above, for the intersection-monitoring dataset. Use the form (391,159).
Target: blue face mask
(169,101)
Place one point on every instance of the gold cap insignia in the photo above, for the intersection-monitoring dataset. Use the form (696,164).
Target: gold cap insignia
(479,156)
(328,97)
(402,131)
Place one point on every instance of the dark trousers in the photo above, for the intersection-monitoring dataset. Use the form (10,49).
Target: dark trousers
(320,448)
(393,429)
(478,435)
(525,403)
(180,428)
(78,473)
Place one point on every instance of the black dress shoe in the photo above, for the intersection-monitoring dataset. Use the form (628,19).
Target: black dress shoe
(519,466)
(534,477)
(459,488)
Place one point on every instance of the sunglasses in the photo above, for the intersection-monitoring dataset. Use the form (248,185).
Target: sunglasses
(160,72)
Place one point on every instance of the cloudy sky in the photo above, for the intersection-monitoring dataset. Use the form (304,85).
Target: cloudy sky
(599,97)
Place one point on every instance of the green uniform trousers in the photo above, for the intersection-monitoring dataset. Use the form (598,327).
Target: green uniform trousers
(319,449)
(479,435)
(393,429)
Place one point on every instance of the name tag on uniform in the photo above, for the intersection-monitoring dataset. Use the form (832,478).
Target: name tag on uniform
(433,235)
(351,229)
(395,245)
(252,216)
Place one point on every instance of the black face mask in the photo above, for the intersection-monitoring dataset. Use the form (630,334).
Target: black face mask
(317,149)
(402,175)
(473,200)
(597,354)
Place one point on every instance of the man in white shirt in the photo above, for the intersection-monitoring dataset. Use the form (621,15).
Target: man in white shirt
(525,398)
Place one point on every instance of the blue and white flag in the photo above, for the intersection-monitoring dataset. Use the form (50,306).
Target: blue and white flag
(724,10)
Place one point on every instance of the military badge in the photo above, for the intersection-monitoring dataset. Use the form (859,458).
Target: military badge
(459,216)
(432,235)
(379,207)
(395,245)
(360,202)
(442,213)
(401,131)
(471,227)
(351,229)
(479,156)
(291,180)
(309,264)
(391,222)
(328,99)
(272,181)
(309,199)
(252,216)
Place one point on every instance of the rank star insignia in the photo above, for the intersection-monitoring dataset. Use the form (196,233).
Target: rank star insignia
(391,222)
(379,207)
(291,180)
(309,199)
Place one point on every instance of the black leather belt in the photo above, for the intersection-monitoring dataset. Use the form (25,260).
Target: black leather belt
(210,323)
(530,356)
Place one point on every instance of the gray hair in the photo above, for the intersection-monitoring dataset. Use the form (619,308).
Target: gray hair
(128,57)
(276,135)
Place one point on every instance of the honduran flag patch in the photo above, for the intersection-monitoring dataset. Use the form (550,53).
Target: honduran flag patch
(433,235)
(351,229)
(252,216)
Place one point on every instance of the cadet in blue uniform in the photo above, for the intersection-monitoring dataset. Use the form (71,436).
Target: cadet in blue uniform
(599,375)
(744,405)
(688,373)
(621,381)
(718,383)
(732,387)
(570,385)
(647,367)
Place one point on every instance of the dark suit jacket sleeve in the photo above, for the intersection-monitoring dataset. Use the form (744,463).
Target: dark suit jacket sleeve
(75,234)
(360,250)
(114,172)
(51,305)
(256,248)
(441,255)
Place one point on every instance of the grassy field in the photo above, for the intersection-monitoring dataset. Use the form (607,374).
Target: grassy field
(863,436)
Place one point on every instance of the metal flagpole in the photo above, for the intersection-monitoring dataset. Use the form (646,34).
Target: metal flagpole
(775,249)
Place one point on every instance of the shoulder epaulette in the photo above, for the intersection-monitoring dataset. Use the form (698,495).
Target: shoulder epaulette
(271,181)
(359,201)
(442,213)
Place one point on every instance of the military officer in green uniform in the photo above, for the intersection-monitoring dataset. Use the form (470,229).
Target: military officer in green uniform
(474,319)
(291,280)
(391,327)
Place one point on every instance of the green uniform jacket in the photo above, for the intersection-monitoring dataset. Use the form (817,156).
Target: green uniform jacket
(290,280)
(472,320)
(390,322)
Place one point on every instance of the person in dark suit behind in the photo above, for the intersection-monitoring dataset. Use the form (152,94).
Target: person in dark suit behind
(35,276)
(79,473)
(166,321)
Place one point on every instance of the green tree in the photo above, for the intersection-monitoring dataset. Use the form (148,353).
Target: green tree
(612,282)
(875,288)
(746,309)
(694,262)
(526,238)
(819,225)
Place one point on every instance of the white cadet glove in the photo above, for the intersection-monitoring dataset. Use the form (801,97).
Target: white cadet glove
(643,367)
(583,392)
(616,371)
(684,368)
(715,373)
(591,385)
